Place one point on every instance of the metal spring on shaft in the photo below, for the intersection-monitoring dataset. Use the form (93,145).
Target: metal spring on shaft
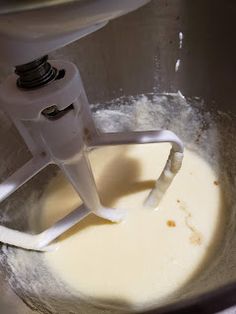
(35,74)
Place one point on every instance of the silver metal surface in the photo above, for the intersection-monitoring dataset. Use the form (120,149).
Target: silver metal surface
(137,54)
(13,6)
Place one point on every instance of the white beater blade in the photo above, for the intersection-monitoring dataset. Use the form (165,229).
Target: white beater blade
(40,242)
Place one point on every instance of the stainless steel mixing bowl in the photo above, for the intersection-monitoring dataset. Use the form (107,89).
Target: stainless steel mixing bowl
(137,54)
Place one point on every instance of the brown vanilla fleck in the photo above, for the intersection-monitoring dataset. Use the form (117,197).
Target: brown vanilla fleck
(216,182)
(171,223)
(196,238)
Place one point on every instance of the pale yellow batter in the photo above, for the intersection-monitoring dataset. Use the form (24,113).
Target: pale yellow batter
(152,253)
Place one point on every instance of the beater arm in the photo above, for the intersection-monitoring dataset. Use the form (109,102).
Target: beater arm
(172,165)
(22,175)
(143,137)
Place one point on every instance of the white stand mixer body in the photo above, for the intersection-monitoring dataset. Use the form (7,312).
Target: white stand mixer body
(30,34)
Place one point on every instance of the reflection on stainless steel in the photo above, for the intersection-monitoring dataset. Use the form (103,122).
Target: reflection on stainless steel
(10,6)
(137,54)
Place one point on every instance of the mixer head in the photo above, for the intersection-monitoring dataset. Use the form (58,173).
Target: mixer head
(48,105)
(32,29)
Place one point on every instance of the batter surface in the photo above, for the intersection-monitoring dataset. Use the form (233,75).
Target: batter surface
(152,253)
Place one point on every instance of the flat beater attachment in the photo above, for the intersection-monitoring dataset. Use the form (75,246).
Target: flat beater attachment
(52,114)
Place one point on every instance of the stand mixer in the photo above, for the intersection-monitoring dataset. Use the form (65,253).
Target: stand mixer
(48,105)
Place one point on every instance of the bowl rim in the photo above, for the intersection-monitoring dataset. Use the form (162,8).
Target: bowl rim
(209,302)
